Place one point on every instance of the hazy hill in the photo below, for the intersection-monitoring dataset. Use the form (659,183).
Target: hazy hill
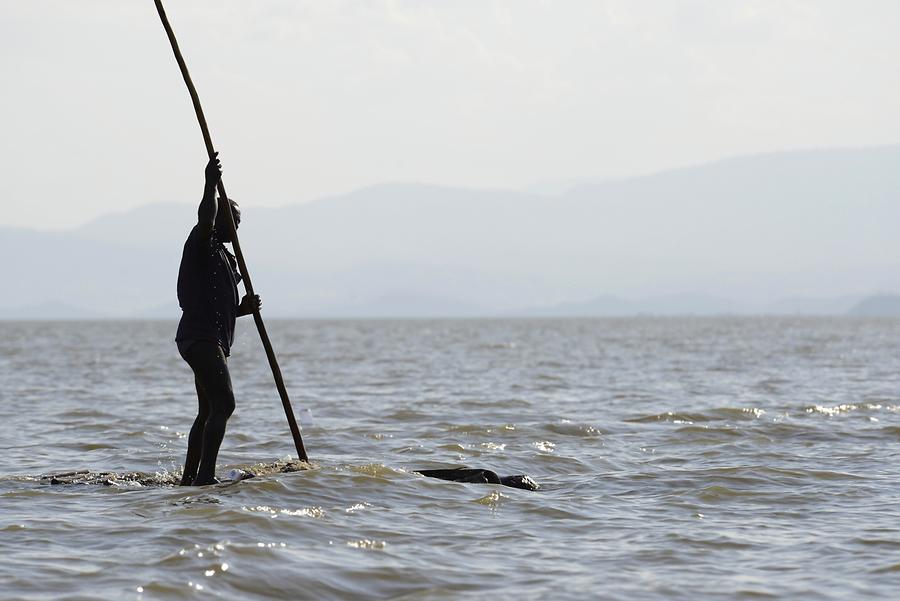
(728,237)
(881,305)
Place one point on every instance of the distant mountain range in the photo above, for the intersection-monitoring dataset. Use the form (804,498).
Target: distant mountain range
(881,305)
(809,232)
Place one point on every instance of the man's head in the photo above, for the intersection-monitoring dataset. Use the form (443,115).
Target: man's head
(223,230)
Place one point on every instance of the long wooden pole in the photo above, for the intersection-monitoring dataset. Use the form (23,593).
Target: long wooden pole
(225,206)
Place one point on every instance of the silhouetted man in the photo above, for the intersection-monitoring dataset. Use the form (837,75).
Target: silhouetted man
(208,295)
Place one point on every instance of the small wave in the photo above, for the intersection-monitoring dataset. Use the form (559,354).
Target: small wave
(454,447)
(716,542)
(558,381)
(407,415)
(551,364)
(82,412)
(493,446)
(758,474)
(313,512)
(718,414)
(478,428)
(356,507)
(877,542)
(492,499)
(822,474)
(798,431)
(562,465)
(377,470)
(87,446)
(887,569)
(545,446)
(708,430)
(372,545)
(569,428)
(717,492)
(671,417)
(474,449)
(835,410)
(496,346)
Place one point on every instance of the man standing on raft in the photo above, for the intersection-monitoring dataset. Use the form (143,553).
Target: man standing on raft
(208,295)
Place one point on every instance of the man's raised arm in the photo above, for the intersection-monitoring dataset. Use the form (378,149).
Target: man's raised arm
(206,214)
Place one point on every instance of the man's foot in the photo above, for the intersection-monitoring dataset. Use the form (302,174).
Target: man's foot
(204,482)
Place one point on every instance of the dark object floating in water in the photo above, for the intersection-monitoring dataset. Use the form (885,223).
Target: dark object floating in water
(480,476)
(110,478)
(140,479)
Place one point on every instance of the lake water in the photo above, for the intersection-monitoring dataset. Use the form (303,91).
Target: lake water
(678,459)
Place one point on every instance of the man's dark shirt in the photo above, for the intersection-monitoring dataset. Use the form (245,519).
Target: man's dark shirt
(207,291)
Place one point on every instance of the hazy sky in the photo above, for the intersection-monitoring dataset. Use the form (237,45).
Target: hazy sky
(309,98)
